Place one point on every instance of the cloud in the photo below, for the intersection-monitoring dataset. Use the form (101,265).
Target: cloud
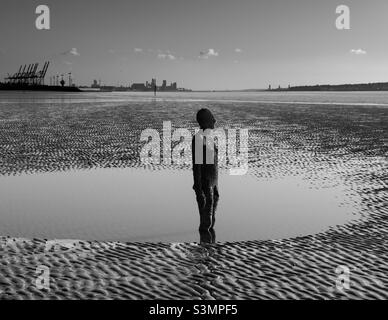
(166,56)
(238,50)
(72,51)
(358,51)
(138,50)
(111,51)
(208,54)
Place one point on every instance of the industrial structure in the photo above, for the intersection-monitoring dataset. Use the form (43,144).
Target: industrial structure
(32,79)
(29,78)
(29,75)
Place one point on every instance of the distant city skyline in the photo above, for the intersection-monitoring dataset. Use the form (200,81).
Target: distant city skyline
(152,85)
(203,45)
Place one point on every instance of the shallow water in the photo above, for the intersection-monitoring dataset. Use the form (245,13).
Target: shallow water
(311,98)
(316,161)
(139,205)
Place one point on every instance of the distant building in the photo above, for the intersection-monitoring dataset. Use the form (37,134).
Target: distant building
(138,87)
(150,86)
(95,84)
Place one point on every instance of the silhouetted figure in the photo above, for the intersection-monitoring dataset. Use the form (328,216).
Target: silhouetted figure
(205,170)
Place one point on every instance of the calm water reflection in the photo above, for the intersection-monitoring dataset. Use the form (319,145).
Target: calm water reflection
(140,205)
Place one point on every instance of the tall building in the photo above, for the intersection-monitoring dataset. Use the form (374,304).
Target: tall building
(150,86)
(95,84)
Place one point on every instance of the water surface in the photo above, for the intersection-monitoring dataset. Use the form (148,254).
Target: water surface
(70,165)
(141,205)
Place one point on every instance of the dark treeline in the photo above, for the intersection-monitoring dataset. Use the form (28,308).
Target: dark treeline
(381,86)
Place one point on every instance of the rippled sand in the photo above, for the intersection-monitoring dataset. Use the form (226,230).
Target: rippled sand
(291,269)
(310,141)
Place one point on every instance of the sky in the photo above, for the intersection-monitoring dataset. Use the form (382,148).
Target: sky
(201,44)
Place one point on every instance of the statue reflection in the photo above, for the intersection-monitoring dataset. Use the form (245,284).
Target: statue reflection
(207,236)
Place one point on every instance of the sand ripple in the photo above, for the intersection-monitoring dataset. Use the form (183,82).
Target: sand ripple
(315,142)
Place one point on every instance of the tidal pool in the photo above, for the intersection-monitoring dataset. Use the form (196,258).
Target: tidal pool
(159,206)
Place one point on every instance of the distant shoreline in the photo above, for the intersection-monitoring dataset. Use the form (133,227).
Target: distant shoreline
(363,87)
(25,87)
(375,86)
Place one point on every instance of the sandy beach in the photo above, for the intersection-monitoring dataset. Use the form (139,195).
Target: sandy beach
(302,268)
(327,145)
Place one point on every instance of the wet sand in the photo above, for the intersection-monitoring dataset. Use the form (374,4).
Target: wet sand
(312,142)
(300,268)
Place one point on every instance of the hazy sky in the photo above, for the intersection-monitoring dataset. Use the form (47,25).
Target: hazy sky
(244,43)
